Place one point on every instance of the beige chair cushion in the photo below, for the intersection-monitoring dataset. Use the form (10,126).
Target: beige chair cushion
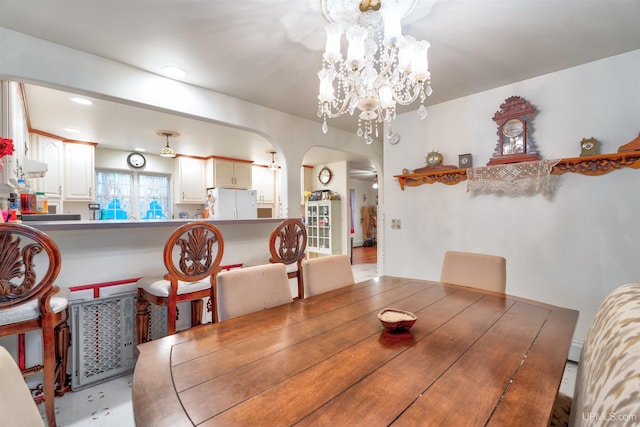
(17,407)
(324,274)
(475,270)
(251,289)
(160,287)
(30,310)
(608,381)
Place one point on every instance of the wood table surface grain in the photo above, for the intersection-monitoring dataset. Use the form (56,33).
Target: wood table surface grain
(472,358)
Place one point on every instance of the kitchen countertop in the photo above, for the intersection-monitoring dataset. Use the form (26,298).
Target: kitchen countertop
(135,224)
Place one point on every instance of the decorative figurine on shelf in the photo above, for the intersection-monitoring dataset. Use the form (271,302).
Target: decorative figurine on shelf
(589,147)
(514,132)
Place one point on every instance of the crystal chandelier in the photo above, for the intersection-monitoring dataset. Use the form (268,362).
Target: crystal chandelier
(382,67)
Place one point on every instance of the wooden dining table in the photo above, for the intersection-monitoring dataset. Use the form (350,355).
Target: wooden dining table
(472,358)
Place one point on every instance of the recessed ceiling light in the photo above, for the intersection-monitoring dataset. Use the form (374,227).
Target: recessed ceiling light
(173,72)
(81,101)
(72,130)
(139,149)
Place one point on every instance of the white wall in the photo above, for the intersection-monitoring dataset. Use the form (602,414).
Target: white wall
(570,251)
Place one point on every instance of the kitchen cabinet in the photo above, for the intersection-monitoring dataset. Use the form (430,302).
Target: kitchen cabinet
(231,173)
(190,180)
(12,126)
(264,180)
(79,172)
(51,152)
(322,219)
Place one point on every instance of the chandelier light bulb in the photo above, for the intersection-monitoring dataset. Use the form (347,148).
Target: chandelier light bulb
(381,69)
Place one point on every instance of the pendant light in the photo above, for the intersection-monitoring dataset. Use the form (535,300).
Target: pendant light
(273,165)
(167,151)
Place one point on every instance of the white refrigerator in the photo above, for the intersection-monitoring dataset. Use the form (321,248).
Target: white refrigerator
(233,204)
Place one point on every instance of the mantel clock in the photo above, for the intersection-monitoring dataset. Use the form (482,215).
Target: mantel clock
(514,131)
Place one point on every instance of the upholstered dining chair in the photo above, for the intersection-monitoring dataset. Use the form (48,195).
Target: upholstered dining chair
(16,404)
(251,289)
(29,300)
(607,385)
(326,273)
(192,256)
(287,244)
(475,270)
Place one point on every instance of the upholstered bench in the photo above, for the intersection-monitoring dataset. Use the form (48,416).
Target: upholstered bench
(608,381)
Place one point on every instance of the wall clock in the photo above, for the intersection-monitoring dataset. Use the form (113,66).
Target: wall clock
(514,132)
(589,147)
(136,160)
(325,175)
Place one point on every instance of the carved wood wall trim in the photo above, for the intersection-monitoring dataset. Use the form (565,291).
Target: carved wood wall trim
(592,166)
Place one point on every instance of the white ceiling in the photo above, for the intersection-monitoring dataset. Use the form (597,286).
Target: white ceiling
(269,53)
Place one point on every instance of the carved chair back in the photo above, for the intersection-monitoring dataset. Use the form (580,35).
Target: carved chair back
(19,247)
(193,252)
(26,291)
(287,244)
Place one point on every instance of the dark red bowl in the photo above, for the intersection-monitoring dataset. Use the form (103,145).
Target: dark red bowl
(394,320)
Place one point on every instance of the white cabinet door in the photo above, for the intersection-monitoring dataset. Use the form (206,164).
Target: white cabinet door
(190,180)
(242,173)
(263,179)
(51,152)
(223,173)
(79,172)
(230,174)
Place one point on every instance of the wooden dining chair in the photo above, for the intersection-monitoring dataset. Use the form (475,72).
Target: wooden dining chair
(324,274)
(475,270)
(16,404)
(287,244)
(251,289)
(192,257)
(29,300)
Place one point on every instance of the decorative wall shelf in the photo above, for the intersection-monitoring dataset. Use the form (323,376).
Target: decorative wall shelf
(591,165)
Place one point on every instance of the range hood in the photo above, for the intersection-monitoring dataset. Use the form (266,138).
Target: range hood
(34,169)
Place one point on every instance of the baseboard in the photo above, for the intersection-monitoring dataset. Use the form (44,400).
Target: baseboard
(575,350)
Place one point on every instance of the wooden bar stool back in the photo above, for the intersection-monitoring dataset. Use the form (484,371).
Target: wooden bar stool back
(29,264)
(287,244)
(192,257)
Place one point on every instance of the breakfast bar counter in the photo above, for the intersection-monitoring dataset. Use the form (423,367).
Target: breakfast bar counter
(98,252)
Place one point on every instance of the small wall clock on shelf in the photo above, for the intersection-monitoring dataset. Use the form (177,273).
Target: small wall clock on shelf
(589,147)
(434,161)
(514,132)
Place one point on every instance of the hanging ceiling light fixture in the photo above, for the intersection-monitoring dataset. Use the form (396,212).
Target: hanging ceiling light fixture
(382,67)
(167,151)
(273,165)
(375,183)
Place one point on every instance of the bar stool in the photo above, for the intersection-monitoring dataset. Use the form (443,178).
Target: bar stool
(192,256)
(32,304)
(287,244)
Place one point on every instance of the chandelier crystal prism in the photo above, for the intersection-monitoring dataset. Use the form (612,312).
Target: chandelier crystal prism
(381,68)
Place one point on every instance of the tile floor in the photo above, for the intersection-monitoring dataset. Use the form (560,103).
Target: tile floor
(109,404)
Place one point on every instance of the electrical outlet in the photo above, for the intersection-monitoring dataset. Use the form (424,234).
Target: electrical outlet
(395,224)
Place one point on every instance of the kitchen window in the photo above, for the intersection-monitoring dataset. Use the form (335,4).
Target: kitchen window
(124,195)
